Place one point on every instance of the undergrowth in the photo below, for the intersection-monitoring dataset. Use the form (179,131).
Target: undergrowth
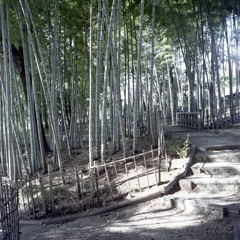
(177,147)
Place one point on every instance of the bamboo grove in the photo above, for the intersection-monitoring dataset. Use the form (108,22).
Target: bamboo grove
(76,73)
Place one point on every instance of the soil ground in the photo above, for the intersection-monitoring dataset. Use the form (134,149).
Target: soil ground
(150,220)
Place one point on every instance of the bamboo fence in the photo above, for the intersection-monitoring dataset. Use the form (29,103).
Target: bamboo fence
(9,211)
(91,187)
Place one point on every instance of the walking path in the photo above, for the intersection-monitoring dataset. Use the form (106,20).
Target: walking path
(147,221)
(207,138)
(156,219)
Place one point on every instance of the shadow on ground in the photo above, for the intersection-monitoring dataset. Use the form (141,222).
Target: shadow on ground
(144,221)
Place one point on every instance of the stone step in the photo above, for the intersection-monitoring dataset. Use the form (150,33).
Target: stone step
(210,184)
(218,156)
(216,168)
(222,203)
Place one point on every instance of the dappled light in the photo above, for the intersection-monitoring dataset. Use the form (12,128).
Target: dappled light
(145,221)
(106,104)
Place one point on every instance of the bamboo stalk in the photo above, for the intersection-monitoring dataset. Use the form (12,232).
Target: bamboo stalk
(127,158)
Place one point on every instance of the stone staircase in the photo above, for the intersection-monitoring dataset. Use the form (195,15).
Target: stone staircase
(213,183)
(216,169)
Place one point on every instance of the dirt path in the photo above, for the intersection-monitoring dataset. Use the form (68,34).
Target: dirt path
(150,220)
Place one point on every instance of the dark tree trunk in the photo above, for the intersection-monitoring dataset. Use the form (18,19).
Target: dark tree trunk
(19,63)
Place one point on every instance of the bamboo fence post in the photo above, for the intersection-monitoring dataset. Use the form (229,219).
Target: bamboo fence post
(125,163)
(6,210)
(159,169)
(7,207)
(159,146)
(67,192)
(3,212)
(96,174)
(114,164)
(134,159)
(2,209)
(145,164)
(58,199)
(42,193)
(82,188)
(78,188)
(32,199)
(50,188)
(37,201)
(159,133)
(97,181)
(91,180)
(16,214)
(154,165)
(101,186)
(106,171)
(22,194)
(28,203)
(10,210)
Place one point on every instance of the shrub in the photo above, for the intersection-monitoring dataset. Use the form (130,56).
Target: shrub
(177,147)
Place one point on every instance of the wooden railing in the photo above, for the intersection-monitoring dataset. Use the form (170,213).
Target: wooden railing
(189,119)
(9,212)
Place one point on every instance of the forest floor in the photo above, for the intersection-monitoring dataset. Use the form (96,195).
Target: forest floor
(81,155)
(153,219)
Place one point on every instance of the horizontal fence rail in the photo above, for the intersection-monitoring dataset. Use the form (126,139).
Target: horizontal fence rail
(189,119)
(89,187)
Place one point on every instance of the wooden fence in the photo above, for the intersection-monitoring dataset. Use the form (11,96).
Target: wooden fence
(91,187)
(189,119)
(9,211)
